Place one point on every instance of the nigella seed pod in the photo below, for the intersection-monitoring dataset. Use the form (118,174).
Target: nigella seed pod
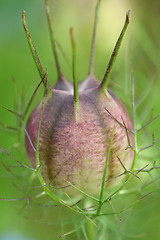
(76,129)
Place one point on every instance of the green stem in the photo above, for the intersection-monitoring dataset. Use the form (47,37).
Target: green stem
(118,190)
(136,152)
(32,97)
(90,229)
(46,189)
(54,48)
(105,173)
(38,165)
(114,54)
(91,65)
(79,190)
(33,50)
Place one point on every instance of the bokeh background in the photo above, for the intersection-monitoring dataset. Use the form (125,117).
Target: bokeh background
(140,52)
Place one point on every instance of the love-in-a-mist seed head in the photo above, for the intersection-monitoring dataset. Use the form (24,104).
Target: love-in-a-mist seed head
(82,126)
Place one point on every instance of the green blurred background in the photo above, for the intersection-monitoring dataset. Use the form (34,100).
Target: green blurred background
(140,51)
